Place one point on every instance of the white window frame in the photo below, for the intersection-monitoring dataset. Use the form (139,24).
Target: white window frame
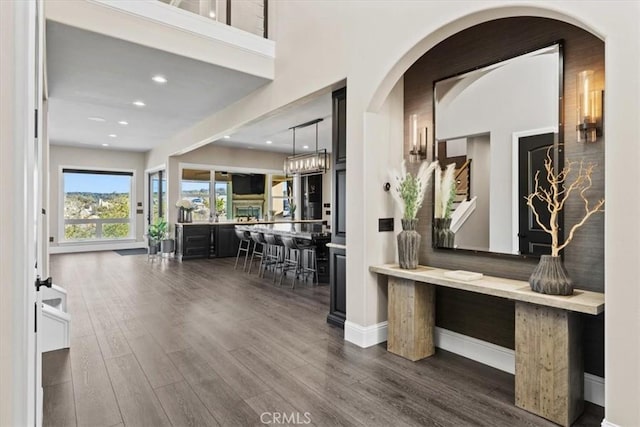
(132,208)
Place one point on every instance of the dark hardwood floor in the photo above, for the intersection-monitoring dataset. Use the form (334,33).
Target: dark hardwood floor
(199,344)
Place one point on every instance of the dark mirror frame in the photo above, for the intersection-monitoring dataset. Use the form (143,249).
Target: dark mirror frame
(558,151)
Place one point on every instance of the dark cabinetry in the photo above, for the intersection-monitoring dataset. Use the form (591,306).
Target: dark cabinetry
(338,279)
(227,241)
(194,242)
(338,257)
(312,197)
(205,241)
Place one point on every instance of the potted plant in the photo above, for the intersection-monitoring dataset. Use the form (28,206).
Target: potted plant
(219,208)
(292,210)
(550,276)
(167,244)
(408,192)
(445,192)
(154,235)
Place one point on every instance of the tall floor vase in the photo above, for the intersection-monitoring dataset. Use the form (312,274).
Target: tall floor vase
(408,244)
(550,277)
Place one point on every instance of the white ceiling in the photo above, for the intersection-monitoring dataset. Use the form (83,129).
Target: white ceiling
(91,75)
(276,128)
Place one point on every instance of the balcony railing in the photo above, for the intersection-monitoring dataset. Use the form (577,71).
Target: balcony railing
(246,15)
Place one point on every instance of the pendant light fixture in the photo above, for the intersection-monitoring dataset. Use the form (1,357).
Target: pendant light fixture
(307,163)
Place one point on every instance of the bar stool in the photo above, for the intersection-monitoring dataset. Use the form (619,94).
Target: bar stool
(275,253)
(291,260)
(258,240)
(243,236)
(309,262)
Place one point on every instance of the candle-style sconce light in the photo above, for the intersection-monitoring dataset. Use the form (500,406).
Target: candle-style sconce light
(418,150)
(589,108)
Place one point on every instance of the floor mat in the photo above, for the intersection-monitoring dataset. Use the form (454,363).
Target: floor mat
(136,251)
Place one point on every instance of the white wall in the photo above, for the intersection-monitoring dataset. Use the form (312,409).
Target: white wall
(474,233)
(8,397)
(74,157)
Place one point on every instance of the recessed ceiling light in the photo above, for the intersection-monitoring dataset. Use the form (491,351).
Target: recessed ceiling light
(306,147)
(227,136)
(268,142)
(159,79)
(123,122)
(139,103)
(97,119)
(113,135)
(212,14)
(105,145)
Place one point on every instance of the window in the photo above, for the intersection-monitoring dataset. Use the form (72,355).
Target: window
(196,187)
(281,194)
(223,195)
(97,205)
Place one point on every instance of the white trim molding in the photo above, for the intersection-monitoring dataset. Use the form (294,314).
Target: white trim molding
(472,348)
(365,336)
(94,247)
(606,423)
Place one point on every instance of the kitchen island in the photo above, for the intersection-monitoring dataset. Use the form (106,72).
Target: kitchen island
(218,239)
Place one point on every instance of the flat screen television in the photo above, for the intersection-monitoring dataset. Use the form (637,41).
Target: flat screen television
(247,183)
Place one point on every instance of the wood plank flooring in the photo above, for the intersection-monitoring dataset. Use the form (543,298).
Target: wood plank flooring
(199,344)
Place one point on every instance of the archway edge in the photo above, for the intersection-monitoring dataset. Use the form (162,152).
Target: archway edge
(454,26)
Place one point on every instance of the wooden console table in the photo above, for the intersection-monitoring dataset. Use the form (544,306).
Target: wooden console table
(549,375)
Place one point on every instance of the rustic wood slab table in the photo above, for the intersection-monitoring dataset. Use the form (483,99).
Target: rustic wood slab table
(549,374)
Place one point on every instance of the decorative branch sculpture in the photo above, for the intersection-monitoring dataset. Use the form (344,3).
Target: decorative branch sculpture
(558,193)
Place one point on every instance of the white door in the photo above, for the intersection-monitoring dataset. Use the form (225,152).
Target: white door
(40,180)
(36,180)
(22,80)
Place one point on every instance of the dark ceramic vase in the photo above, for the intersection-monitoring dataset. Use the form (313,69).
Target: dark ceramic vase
(443,236)
(550,277)
(408,244)
(181,215)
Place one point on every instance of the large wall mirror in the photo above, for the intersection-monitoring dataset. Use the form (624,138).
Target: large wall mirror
(496,124)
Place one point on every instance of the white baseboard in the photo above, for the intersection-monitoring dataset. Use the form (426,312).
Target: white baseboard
(606,423)
(365,336)
(472,348)
(93,247)
(594,389)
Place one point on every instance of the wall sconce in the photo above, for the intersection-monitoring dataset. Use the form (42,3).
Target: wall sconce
(418,151)
(589,108)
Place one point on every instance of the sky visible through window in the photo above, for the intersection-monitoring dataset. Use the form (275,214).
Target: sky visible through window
(88,183)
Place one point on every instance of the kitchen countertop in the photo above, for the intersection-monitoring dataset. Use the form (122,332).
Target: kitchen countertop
(308,230)
(302,221)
